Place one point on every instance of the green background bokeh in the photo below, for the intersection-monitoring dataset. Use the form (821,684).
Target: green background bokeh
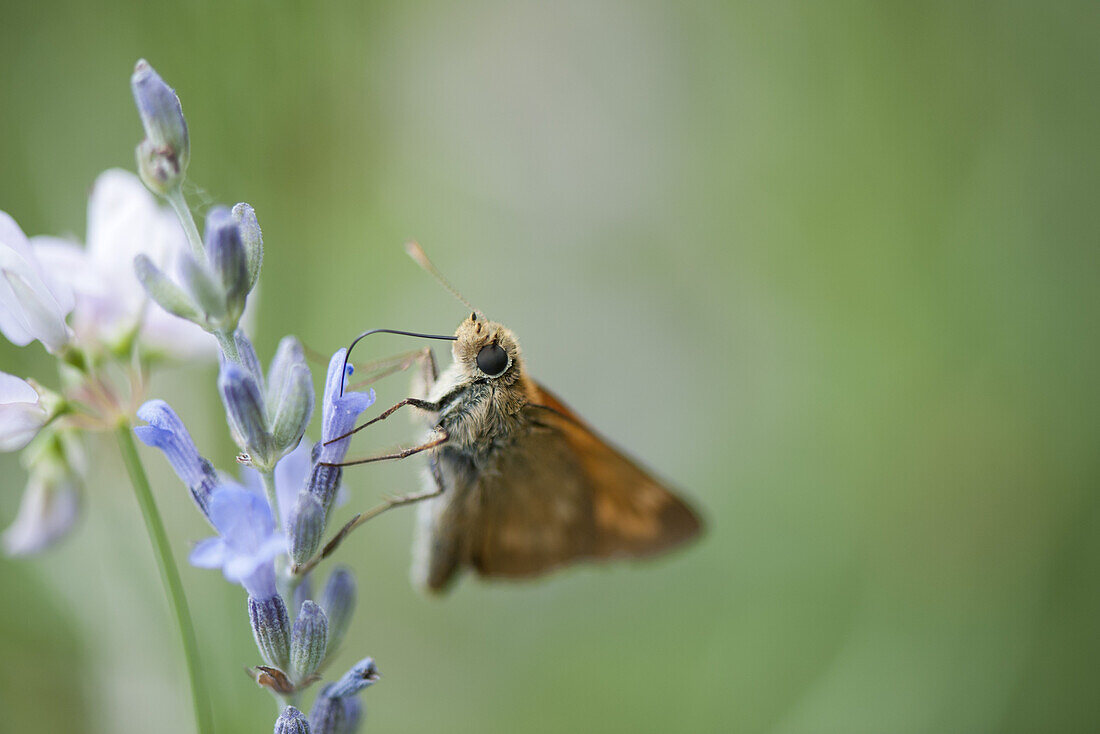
(831,268)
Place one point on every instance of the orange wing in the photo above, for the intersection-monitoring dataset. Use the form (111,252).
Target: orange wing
(562,494)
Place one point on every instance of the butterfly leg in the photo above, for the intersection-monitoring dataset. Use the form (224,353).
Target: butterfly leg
(387,504)
(440,439)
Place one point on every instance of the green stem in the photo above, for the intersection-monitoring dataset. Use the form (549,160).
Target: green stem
(272,498)
(183,212)
(229,346)
(200,698)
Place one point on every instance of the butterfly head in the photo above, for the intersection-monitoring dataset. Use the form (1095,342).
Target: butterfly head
(487,350)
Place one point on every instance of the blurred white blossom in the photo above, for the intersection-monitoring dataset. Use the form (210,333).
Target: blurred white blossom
(21,412)
(33,302)
(124,220)
(49,508)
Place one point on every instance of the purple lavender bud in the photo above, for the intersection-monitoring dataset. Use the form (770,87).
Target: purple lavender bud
(308,642)
(227,258)
(328,715)
(167,433)
(289,394)
(163,155)
(305,528)
(291,721)
(339,414)
(252,238)
(364,673)
(288,355)
(353,715)
(247,417)
(338,601)
(324,480)
(248,358)
(290,417)
(271,628)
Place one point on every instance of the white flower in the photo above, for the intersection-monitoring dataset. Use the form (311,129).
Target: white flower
(124,220)
(21,413)
(49,508)
(33,303)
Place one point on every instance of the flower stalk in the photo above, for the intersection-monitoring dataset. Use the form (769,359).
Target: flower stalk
(169,575)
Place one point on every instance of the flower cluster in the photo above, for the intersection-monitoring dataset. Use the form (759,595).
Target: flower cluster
(272,519)
(85,305)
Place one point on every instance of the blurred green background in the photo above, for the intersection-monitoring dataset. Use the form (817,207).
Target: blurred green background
(831,268)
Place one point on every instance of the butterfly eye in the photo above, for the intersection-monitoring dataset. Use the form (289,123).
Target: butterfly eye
(492,360)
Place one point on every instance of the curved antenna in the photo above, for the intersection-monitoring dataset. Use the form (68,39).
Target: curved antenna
(356,340)
(416,252)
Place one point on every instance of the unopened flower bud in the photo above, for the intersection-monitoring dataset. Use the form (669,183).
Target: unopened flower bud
(167,432)
(247,357)
(308,642)
(362,674)
(228,260)
(338,601)
(328,715)
(305,528)
(293,411)
(163,155)
(252,238)
(244,407)
(292,721)
(288,355)
(271,628)
(353,715)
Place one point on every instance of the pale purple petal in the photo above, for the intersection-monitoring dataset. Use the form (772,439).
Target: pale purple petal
(21,415)
(209,553)
(291,474)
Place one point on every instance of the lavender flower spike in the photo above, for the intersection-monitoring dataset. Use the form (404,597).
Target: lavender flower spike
(247,542)
(167,433)
(338,416)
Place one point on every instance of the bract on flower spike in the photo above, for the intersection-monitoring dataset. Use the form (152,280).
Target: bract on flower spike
(338,601)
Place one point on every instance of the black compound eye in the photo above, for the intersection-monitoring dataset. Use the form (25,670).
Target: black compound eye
(492,360)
